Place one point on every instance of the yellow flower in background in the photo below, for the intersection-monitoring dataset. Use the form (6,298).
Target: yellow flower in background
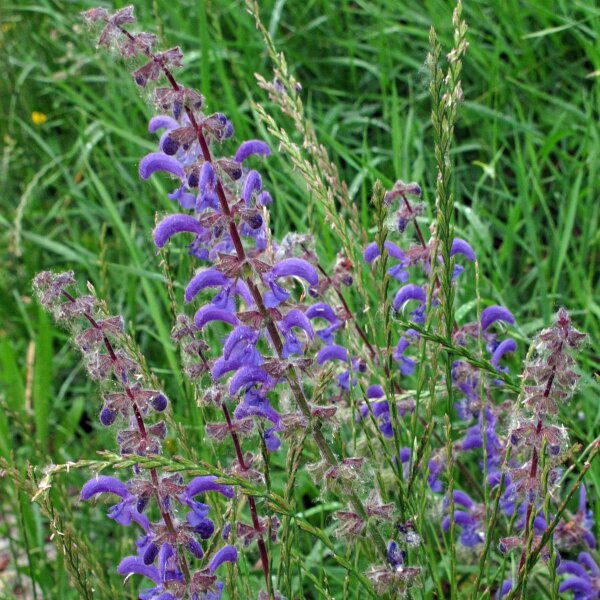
(38,118)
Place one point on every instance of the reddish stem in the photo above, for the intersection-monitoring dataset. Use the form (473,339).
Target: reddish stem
(142,429)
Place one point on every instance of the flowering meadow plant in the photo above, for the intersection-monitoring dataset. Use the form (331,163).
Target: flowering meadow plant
(369,407)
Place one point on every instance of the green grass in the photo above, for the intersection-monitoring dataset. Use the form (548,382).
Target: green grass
(526,180)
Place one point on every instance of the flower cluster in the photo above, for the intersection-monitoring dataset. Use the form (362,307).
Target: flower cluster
(166,546)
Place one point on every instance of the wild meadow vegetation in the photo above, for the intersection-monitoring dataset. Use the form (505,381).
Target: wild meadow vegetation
(303,297)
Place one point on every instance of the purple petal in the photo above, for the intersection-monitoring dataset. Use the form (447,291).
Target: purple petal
(247,357)
(375,391)
(321,311)
(495,313)
(207,483)
(207,179)
(371,252)
(461,247)
(332,352)
(462,518)
(207,278)
(185,199)
(157,161)
(252,183)
(404,455)
(272,441)
(135,564)
(173,224)
(225,554)
(296,318)
(586,559)
(577,584)
(264,199)
(208,313)
(245,377)
(296,267)
(462,498)
(162,122)
(409,292)
(251,147)
(103,485)
(503,347)
(239,334)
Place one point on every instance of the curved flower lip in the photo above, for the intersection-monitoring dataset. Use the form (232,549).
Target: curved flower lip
(409,292)
(372,251)
(238,335)
(462,498)
(102,485)
(252,183)
(248,357)
(207,483)
(225,554)
(249,148)
(460,246)
(296,318)
(375,391)
(586,559)
(495,313)
(207,278)
(378,408)
(157,161)
(178,223)
(135,565)
(320,310)
(208,313)
(207,178)
(245,377)
(578,584)
(296,267)
(332,352)
(162,122)
(508,345)
(264,199)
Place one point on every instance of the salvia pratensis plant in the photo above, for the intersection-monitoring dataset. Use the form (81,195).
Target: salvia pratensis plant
(408,419)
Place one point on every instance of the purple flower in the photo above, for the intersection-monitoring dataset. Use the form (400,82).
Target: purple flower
(162,122)
(288,267)
(225,554)
(206,483)
(495,313)
(332,352)
(584,580)
(206,278)
(252,185)
(209,313)
(461,247)
(135,565)
(409,292)
(240,335)
(104,485)
(173,224)
(503,348)
(295,267)
(246,377)
(157,161)
(320,310)
(249,148)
